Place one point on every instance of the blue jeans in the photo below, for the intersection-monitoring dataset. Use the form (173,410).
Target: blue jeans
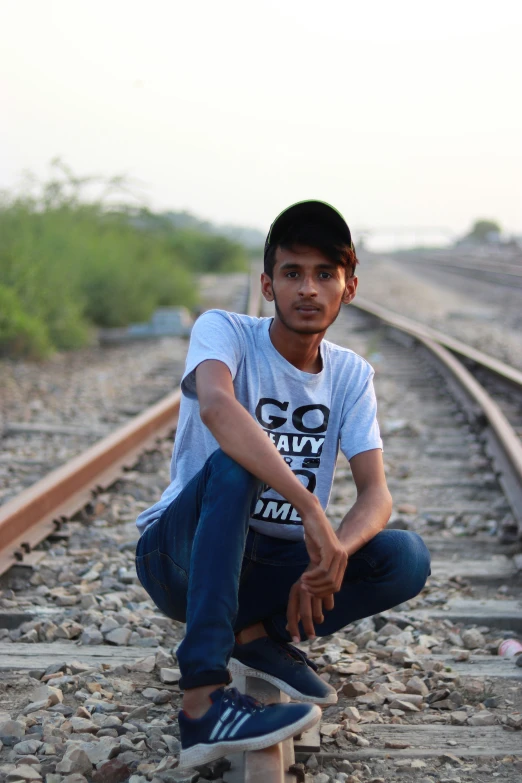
(201,565)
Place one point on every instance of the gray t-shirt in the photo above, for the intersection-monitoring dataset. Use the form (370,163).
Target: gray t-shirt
(306,415)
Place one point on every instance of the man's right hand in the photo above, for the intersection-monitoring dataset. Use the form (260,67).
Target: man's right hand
(328,557)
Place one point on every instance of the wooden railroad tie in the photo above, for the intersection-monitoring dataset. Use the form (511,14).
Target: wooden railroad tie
(272,764)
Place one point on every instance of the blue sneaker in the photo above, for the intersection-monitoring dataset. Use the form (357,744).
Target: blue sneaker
(235,723)
(285,666)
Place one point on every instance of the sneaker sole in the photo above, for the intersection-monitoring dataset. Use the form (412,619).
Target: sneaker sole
(236,667)
(203,754)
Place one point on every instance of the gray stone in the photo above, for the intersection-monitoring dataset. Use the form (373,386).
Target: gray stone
(164,659)
(514,720)
(23,772)
(149,693)
(163,697)
(170,675)
(110,624)
(417,686)
(120,636)
(12,728)
(28,746)
(104,750)
(75,760)
(472,639)
(173,744)
(35,706)
(178,775)
(482,718)
(312,762)
(114,771)
(83,725)
(145,665)
(91,635)
(139,712)
(53,695)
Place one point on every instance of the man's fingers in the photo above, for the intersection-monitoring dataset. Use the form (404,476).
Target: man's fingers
(292,615)
(319,581)
(328,602)
(317,611)
(340,573)
(319,571)
(305,609)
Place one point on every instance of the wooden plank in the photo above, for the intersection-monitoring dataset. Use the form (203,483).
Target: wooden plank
(18,656)
(483,666)
(431,741)
(28,428)
(261,766)
(269,765)
(309,741)
(497,614)
(496,568)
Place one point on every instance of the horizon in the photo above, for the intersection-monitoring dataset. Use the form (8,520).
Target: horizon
(398,117)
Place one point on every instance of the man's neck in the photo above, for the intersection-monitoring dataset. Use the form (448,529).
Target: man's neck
(301,350)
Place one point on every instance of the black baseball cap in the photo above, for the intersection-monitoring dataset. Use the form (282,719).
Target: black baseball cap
(317,211)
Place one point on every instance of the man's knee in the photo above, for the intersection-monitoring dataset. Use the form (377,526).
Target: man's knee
(232,475)
(408,557)
(415,558)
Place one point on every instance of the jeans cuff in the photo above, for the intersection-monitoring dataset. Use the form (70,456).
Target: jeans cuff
(205,678)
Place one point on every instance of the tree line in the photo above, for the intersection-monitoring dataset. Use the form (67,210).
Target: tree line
(69,265)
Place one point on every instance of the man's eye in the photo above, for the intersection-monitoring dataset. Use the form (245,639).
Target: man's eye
(291,274)
(325,275)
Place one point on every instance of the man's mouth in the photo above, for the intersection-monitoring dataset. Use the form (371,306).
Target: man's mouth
(307,309)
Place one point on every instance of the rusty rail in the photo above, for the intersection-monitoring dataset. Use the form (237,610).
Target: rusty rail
(38,511)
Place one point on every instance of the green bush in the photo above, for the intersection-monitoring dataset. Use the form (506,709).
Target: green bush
(67,265)
(20,334)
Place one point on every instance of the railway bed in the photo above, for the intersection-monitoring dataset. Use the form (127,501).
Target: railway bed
(422,694)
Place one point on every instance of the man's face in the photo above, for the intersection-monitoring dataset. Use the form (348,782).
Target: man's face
(307,289)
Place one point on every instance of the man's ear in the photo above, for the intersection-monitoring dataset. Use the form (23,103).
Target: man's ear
(350,289)
(266,287)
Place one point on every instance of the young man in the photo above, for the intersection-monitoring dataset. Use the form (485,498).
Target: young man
(239,546)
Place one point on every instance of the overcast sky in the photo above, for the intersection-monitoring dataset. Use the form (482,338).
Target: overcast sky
(403,113)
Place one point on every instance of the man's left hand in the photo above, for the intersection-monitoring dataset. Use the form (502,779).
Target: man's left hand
(304,607)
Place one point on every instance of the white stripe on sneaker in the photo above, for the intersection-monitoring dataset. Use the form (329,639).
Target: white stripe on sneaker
(229,725)
(220,722)
(239,724)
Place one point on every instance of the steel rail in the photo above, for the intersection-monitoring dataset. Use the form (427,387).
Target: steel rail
(502,442)
(39,510)
(499,368)
(497,272)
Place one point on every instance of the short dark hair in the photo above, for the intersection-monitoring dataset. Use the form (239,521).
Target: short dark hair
(318,236)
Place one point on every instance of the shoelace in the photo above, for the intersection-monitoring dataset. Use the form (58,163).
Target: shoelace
(298,655)
(241,700)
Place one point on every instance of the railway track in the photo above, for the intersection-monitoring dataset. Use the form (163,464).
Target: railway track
(421,690)
(491,269)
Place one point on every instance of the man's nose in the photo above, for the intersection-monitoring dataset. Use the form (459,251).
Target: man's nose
(308,286)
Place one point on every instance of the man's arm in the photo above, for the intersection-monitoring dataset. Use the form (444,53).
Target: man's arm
(242,439)
(371,511)
(367,517)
